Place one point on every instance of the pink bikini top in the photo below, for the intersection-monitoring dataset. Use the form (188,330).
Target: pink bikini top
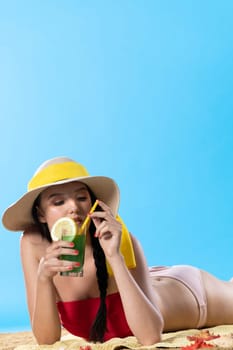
(77,316)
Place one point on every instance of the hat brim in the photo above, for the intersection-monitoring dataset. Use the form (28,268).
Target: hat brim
(18,216)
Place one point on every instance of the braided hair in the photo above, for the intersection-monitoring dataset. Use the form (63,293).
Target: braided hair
(99,325)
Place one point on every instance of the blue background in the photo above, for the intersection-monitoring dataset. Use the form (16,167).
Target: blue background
(140,91)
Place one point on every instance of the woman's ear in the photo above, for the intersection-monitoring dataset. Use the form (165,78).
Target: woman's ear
(40,215)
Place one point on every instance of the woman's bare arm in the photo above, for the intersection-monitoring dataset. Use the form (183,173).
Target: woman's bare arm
(40,290)
(138,297)
(141,310)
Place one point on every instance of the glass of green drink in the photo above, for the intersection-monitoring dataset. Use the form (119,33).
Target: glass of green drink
(79,240)
(66,229)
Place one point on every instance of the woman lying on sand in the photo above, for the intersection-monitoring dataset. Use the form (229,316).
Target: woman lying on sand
(129,300)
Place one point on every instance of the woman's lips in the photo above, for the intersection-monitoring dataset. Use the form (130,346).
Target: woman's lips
(78,220)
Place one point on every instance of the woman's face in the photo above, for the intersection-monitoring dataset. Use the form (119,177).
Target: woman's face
(71,200)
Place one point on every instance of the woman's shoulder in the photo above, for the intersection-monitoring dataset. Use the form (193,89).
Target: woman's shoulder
(33,240)
(33,235)
(140,259)
(136,244)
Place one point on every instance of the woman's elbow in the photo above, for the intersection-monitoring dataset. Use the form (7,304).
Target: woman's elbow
(151,340)
(47,338)
(154,335)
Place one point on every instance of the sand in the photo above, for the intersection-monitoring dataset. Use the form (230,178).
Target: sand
(8,341)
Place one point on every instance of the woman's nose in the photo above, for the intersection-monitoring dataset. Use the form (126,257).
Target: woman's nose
(73,206)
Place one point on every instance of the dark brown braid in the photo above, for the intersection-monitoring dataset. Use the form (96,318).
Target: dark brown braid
(99,325)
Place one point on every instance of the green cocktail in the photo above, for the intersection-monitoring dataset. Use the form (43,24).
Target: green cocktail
(79,244)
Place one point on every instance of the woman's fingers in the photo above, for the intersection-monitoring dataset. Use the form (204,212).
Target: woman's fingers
(60,265)
(58,244)
(105,214)
(114,228)
(108,229)
(60,248)
(51,263)
(105,207)
(99,216)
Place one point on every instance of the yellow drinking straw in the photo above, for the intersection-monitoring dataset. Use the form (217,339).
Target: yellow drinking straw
(87,220)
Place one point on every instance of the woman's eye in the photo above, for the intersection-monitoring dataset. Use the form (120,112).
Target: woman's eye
(82,199)
(60,202)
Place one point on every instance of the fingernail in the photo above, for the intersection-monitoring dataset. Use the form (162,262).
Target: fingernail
(76,252)
(77,264)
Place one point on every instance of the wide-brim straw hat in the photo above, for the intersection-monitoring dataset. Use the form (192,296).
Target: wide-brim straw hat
(57,171)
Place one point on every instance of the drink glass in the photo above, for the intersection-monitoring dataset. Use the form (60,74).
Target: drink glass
(79,241)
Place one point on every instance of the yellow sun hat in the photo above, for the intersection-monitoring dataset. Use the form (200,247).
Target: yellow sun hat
(57,171)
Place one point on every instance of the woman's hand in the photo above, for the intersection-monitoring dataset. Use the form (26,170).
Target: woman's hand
(51,263)
(108,230)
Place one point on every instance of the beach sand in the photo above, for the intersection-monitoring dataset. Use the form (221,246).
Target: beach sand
(8,341)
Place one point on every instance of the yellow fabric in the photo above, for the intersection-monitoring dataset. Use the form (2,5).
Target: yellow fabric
(126,248)
(57,172)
